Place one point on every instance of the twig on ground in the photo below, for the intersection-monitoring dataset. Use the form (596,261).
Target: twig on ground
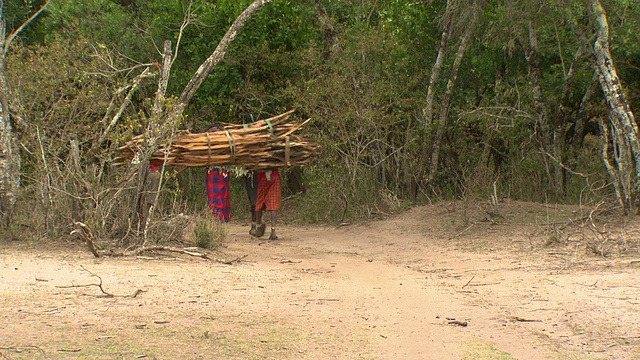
(232,261)
(463,231)
(459,323)
(468,282)
(99,285)
(519,319)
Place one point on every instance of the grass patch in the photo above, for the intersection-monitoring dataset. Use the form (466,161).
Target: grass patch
(209,233)
(480,350)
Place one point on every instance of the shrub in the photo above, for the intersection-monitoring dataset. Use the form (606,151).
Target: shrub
(209,233)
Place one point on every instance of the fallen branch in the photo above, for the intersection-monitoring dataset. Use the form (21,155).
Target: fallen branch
(85,233)
(232,261)
(144,249)
(99,285)
(185,251)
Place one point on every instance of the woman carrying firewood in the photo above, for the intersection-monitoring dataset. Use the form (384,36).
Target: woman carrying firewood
(251,184)
(268,197)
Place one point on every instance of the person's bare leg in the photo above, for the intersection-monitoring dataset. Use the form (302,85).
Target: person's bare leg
(274,215)
(253,222)
(260,225)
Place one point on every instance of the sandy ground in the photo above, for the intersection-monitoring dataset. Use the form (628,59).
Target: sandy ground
(436,282)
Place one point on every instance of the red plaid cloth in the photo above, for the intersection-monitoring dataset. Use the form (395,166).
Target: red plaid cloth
(268,192)
(217,183)
(154,165)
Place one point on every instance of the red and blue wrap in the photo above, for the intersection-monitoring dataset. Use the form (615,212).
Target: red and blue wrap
(217,183)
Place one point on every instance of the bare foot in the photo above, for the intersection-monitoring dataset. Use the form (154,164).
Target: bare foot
(260,230)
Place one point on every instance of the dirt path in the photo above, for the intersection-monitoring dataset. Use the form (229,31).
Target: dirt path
(385,290)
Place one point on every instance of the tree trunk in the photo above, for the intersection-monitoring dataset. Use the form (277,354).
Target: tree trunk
(331,44)
(582,116)
(164,120)
(427,112)
(446,101)
(149,183)
(217,55)
(561,124)
(624,130)
(547,131)
(539,102)
(9,154)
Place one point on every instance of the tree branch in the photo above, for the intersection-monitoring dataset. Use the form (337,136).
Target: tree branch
(217,55)
(123,106)
(12,36)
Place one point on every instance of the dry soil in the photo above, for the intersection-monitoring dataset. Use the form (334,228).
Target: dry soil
(452,281)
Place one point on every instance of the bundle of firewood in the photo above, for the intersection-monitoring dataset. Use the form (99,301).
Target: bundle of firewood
(264,144)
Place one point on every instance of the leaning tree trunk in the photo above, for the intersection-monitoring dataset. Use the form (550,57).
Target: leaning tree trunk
(410,179)
(217,55)
(624,137)
(446,101)
(9,154)
(427,112)
(164,118)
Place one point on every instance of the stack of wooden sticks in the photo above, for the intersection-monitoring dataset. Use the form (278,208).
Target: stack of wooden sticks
(264,144)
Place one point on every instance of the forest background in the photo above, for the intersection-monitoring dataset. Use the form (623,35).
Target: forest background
(412,102)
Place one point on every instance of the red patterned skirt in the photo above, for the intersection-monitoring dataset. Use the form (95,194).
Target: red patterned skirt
(217,183)
(268,192)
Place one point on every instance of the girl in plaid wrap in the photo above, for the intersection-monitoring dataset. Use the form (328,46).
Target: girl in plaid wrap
(217,183)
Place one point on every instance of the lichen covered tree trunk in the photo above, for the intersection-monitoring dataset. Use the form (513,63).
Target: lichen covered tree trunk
(9,154)
(624,145)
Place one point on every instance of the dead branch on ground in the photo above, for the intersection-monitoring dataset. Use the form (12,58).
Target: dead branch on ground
(85,233)
(99,285)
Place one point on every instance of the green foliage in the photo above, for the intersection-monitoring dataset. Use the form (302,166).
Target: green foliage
(360,73)
(332,197)
(209,233)
(624,17)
